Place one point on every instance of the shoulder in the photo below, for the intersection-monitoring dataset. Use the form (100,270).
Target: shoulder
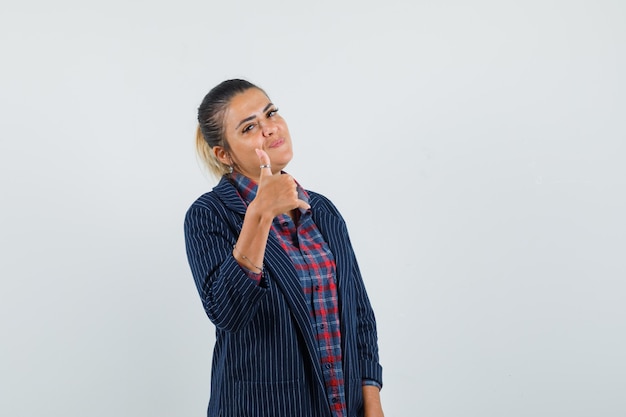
(321,202)
(207,200)
(203,212)
(215,201)
(321,205)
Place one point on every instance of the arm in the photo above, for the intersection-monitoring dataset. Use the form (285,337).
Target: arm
(367,345)
(276,194)
(367,335)
(363,318)
(367,342)
(221,271)
(371,401)
(333,227)
(229,297)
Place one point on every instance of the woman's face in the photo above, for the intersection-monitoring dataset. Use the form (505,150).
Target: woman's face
(252,122)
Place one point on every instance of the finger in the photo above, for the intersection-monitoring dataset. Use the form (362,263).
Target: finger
(264,162)
(303,205)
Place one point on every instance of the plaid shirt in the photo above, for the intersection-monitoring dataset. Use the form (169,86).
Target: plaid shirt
(315,266)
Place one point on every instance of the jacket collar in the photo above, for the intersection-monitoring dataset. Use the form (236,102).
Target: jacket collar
(227,193)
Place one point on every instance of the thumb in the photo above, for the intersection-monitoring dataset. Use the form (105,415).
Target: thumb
(264,161)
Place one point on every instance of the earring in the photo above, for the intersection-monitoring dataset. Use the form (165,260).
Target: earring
(230,165)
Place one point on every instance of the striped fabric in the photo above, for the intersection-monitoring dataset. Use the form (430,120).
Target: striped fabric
(315,267)
(266,359)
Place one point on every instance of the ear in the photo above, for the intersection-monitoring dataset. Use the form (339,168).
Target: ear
(221,155)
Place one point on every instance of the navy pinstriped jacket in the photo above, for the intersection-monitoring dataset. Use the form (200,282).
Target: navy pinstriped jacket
(265,361)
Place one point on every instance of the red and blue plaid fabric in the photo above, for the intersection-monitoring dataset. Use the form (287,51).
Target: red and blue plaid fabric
(315,266)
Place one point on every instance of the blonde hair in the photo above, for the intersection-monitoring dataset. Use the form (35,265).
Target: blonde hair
(206,155)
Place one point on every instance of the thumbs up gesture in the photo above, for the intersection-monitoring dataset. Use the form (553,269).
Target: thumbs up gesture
(276,194)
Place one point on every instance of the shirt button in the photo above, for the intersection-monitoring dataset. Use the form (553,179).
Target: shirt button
(317,287)
(328,366)
(285,224)
(335,399)
(321,326)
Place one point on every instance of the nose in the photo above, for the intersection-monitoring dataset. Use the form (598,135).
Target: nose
(268,128)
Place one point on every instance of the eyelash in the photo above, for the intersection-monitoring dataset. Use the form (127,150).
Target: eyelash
(270,113)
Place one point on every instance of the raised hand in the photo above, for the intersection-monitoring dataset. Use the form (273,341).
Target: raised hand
(276,194)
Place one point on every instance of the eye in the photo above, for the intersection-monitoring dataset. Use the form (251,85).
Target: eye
(272,112)
(248,128)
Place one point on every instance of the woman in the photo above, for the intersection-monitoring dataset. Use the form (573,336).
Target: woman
(274,267)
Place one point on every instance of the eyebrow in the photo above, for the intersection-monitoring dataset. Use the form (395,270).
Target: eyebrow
(247,119)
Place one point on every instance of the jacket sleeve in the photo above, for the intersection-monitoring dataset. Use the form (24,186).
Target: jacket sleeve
(230,298)
(367,335)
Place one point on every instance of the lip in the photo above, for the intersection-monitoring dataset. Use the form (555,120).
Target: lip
(276,143)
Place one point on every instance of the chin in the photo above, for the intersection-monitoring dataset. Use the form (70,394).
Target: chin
(283,158)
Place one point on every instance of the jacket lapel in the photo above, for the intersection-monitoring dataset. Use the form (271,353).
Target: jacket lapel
(331,228)
(282,271)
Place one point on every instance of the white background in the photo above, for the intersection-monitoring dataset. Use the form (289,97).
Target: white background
(476,149)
